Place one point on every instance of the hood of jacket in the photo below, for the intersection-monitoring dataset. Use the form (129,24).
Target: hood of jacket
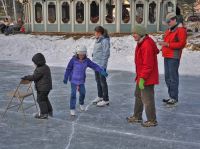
(149,40)
(39,59)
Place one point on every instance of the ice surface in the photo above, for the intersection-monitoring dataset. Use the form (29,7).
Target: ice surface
(100,128)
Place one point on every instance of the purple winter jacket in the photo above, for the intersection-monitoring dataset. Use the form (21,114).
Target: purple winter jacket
(76,70)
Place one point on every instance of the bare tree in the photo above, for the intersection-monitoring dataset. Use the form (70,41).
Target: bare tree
(197,7)
(189,6)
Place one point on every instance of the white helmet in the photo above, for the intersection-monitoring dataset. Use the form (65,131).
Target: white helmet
(81,50)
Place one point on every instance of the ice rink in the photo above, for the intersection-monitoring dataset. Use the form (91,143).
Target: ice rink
(100,128)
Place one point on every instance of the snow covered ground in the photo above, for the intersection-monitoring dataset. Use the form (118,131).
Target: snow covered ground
(58,51)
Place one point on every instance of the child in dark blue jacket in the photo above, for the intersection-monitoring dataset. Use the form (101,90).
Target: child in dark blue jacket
(76,74)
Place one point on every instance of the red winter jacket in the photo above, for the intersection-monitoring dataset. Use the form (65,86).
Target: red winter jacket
(177,41)
(146,61)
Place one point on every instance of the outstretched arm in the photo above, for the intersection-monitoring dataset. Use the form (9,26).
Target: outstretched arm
(35,77)
(97,68)
(94,66)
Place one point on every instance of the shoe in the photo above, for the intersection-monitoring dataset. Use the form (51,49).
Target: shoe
(133,119)
(72,113)
(172,102)
(51,114)
(165,100)
(150,124)
(103,103)
(96,100)
(82,108)
(41,116)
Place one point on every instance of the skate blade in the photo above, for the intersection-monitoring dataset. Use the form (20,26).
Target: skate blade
(171,106)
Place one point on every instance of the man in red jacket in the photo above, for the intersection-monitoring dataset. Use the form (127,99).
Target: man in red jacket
(172,46)
(146,77)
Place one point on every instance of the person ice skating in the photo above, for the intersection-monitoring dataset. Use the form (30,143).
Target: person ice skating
(76,74)
(101,54)
(43,85)
(146,77)
(172,46)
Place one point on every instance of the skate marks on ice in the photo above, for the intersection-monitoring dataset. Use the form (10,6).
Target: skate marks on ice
(178,127)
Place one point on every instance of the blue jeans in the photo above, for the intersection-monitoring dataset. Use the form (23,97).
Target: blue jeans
(172,76)
(73,95)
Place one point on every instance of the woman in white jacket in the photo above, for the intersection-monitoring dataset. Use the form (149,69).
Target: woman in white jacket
(101,54)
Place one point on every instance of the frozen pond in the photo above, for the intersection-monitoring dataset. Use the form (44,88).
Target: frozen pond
(100,128)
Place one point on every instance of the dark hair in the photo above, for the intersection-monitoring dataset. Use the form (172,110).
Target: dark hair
(99,29)
(76,55)
(105,34)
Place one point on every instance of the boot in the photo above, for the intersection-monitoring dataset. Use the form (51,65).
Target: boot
(41,116)
(150,123)
(133,119)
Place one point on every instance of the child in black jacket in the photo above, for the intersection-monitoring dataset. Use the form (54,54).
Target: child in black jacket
(43,84)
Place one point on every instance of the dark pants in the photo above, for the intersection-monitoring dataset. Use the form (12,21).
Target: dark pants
(73,95)
(172,76)
(102,86)
(145,99)
(44,103)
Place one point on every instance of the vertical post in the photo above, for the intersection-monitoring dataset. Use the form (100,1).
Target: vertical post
(87,15)
(118,18)
(4,7)
(58,16)
(175,2)
(14,8)
(102,11)
(26,16)
(133,14)
(45,5)
(72,15)
(158,16)
(32,16)
(145,13)
(29,13)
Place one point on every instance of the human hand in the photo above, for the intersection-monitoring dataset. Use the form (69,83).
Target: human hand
(65,81)
(162,43)
(104,73)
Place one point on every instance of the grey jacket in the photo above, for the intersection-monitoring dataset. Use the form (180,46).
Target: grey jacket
(101,51)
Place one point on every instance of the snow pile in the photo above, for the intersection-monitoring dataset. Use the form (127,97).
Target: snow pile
(58,51)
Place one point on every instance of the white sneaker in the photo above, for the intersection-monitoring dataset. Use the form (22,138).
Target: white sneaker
(96,100)
(72,113)
(103,103)
(82,108)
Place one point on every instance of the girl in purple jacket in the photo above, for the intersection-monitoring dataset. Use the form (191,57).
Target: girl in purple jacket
(76,74)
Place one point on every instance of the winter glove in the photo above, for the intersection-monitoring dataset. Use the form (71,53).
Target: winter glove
(141,83)
(24,78)
(104,73)
(65,81)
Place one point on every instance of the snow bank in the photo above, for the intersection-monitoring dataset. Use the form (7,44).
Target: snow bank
(58,51)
